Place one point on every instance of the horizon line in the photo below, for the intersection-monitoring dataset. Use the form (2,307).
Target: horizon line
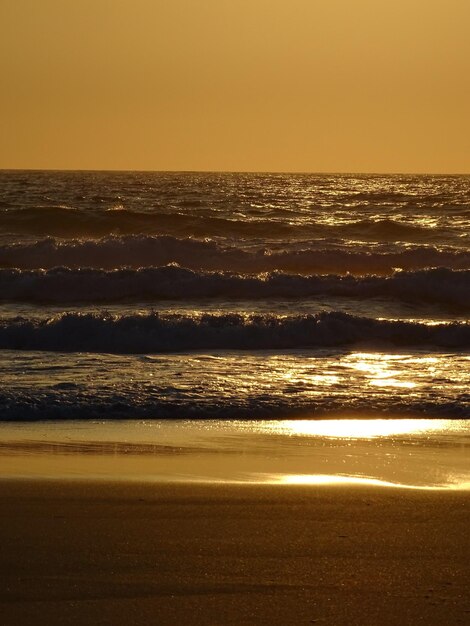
(203,171)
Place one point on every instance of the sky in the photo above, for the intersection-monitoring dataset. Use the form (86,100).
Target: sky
(236,85)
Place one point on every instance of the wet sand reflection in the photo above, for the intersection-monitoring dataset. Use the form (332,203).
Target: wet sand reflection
(411,453)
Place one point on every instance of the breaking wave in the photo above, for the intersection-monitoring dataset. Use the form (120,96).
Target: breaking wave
(141,250)
(64,285)
(154,333)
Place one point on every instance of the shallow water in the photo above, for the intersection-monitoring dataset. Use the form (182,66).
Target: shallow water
(221,384)
(405,453)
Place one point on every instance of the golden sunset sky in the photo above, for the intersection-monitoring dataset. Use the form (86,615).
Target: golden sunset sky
(250,85)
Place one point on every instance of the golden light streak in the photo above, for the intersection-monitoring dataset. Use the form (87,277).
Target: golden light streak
(359,428)
(326,479)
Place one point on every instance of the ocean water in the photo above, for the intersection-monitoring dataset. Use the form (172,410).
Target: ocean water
(137,295)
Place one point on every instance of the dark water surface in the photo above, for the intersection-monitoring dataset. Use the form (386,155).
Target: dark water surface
(192,295)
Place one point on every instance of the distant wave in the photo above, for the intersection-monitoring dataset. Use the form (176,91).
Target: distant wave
(64,221)
(63,285)
(140,251)
(154,333)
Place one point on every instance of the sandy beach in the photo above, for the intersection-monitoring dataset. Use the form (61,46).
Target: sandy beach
(81,552)
(213,523)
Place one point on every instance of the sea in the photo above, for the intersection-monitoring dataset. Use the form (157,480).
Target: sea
(241,296)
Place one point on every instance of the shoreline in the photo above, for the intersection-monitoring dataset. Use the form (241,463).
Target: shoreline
(402,453)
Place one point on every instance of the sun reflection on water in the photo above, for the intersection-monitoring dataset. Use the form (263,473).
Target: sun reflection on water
(379,371)
(330,479)
(392,382)
(326,479)
(360,428)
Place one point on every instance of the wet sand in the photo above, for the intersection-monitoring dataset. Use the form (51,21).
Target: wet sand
(213,523)
(96,552)
(406,453)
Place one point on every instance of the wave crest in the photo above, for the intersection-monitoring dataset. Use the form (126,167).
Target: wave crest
(143,251)
(154,333)
(64,285)
(66,221)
